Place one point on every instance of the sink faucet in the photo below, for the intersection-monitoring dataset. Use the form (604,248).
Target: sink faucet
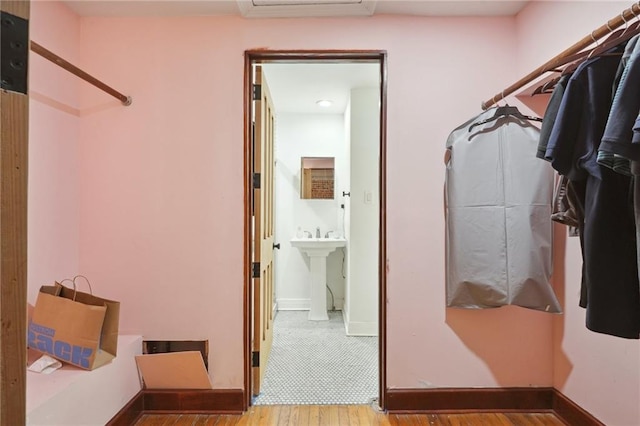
(329,232)
(308,234)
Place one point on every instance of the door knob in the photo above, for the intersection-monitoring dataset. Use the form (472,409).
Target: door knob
(276,246)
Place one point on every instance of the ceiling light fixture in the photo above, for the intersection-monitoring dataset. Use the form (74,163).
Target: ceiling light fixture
(324,103)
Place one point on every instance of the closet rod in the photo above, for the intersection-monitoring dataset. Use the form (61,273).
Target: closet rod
(557,60)
(47,54)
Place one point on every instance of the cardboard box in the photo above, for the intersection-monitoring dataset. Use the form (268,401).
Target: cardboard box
(173,370)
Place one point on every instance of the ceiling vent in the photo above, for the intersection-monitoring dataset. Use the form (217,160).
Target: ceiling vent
(305,8)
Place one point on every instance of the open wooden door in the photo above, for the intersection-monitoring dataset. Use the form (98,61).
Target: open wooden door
(263,231)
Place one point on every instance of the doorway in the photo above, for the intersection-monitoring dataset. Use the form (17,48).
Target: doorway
(258,309)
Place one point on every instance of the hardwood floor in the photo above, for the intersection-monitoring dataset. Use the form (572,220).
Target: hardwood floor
(351,415)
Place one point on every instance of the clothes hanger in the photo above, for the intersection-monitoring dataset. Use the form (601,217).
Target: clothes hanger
(503,111)
(573,61)
(579,56)
(601,50)
(614,39)
(540,90)
(627,34)
(547,86)
(550,85)
(613,42)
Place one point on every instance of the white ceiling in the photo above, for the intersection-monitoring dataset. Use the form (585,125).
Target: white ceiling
(294,8)
(297,87)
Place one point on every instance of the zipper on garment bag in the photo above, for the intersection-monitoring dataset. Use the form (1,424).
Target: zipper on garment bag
(501,149)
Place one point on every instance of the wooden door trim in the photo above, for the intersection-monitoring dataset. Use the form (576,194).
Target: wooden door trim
(382,239)
(339,56)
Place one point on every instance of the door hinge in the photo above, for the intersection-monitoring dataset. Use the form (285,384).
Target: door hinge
(257,92)
(255,270)
(14,52)
(255,359)
(253,136)
(256,181)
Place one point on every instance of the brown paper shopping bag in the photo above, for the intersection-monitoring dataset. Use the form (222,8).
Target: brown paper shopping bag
(74,326)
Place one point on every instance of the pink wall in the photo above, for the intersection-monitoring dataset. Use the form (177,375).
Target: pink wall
(601,373)
(162,184)
(53,209)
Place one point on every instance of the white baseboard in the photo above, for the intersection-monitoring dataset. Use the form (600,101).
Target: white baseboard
(301,305)
(355,328)
(339,304)
(294,304)
(359,328)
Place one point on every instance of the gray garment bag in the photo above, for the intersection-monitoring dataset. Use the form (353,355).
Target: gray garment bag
(499,233)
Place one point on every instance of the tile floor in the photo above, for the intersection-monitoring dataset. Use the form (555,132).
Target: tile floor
(314,362)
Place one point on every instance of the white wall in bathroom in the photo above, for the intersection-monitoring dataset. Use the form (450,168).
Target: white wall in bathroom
(306,135)
(361,312)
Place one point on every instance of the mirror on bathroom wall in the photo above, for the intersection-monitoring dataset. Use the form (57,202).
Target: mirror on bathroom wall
(317,177)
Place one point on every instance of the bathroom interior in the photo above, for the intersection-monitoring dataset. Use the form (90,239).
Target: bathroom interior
(326,212)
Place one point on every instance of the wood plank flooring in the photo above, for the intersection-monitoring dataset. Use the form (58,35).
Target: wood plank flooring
(350,415)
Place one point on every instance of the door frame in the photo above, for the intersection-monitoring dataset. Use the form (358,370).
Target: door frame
(298,56)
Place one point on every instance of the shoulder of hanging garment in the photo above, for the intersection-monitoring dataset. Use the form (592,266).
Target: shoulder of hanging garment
(631,46)
(464,127)
(609,59)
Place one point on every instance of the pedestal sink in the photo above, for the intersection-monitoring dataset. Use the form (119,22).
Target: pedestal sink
(318,249)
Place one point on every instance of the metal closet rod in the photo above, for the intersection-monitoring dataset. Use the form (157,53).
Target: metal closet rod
(557,60)
(47,54)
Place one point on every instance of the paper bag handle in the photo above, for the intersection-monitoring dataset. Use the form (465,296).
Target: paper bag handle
(73,282)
